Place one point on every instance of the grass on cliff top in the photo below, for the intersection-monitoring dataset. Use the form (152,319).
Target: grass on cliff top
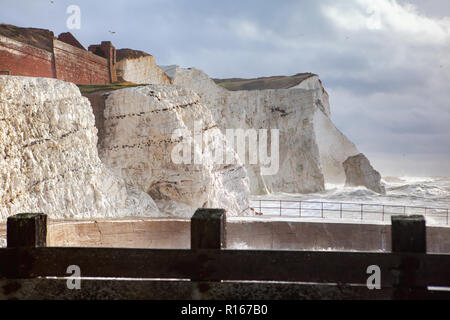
(263,83)
(85,88)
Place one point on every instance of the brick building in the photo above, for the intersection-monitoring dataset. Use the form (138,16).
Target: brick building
(38,53)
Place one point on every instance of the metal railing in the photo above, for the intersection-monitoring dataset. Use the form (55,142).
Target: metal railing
(344,210)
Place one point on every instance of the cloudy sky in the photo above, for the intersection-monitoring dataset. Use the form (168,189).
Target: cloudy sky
(385,63)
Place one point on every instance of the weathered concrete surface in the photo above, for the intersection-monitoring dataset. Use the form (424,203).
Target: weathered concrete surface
(309,236)
(175,233)
(139,233)
(317,235)
(359,172)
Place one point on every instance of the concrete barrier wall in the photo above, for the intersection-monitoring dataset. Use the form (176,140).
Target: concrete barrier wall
(281,235)
(137,233)
(319,235)
(241,234)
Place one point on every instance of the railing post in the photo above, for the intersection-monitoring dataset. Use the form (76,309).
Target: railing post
(208,229)
(280,208)
(341,209)
(321,210)
(408,235)
(260,209)
(383,213)
(27,230)
(300,209)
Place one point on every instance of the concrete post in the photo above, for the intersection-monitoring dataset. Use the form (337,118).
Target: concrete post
(408,236)
(208,229)
(27,230)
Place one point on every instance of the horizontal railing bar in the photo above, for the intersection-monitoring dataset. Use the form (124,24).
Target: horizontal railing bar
(348,203)
(436,215)
(338,210)
(209,265)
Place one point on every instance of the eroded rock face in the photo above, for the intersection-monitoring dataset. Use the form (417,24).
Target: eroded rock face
(139,68)
(311,148)
(139,145)
(48,156)
(359,172)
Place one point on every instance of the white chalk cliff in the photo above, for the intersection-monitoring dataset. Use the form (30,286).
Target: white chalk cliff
(139,67)
(311,148)
(48,156)
(139,145)
(151,161)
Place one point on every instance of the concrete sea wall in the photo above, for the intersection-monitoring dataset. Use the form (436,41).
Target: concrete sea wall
(248,233)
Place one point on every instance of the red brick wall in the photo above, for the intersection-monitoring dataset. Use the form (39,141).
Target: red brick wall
(68,38)
(66,63)
(79,66)
(22,59)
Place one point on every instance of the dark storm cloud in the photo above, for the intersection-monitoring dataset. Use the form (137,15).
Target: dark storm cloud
(386,63)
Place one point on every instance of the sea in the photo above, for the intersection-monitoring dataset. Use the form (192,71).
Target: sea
(428,196)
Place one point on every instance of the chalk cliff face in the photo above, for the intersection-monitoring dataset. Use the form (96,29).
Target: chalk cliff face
(359,172)
(48,155)
(144,142)
(311,148)
(139,67)
(159,142)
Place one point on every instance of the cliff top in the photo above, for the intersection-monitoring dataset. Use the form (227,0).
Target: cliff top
(86,89)
(263,83)
(41,38)
(130,54)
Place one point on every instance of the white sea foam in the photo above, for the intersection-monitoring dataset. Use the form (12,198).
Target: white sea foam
(418,192)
